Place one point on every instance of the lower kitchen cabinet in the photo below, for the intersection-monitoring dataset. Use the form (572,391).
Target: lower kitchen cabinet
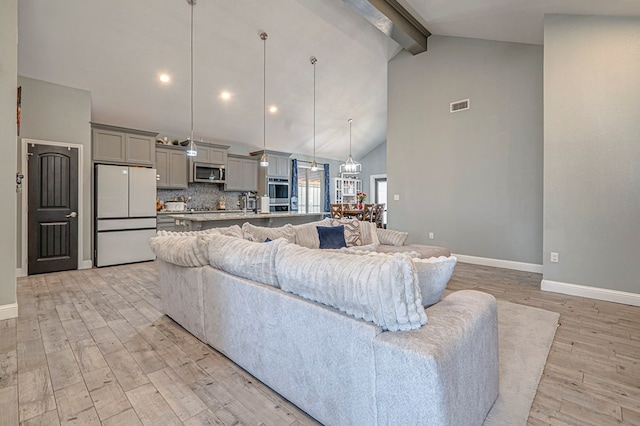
(242,174)
(171,166)
(164,222)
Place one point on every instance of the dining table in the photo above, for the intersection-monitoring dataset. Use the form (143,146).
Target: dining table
(353,213)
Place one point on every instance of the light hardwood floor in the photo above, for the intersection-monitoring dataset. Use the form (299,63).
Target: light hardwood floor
(92,347)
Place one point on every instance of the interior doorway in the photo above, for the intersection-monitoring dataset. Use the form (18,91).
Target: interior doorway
(51,241)
(379,187)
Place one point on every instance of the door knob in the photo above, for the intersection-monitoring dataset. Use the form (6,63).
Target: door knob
(72,214)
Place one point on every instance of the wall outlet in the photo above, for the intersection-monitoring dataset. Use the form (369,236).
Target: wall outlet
(431,235)
(554,257)
(396,197)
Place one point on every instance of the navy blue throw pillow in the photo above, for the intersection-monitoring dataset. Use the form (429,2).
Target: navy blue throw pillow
(331,237)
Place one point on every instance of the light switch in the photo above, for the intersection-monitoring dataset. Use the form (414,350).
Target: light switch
(396,197)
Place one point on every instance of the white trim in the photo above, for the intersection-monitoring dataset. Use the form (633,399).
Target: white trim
(8,311)
(86,264)
(591,292)
(499,263)
(20,273)
(372,183)
(25,199)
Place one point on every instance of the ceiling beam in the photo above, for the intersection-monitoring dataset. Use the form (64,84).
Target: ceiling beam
(395,21)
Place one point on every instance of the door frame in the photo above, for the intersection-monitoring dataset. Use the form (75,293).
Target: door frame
(22,271)
(372,183)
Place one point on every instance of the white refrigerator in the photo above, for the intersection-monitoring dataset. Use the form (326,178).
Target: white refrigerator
(125,209)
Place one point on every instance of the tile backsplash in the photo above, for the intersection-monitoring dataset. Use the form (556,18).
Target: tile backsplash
(204,196)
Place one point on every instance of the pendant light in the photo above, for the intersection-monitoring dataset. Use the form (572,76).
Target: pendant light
(264,161)
(350,167)
(192,149)
(314,165)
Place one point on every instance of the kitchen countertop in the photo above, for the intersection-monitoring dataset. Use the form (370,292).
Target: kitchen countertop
(173,212)
(239,214)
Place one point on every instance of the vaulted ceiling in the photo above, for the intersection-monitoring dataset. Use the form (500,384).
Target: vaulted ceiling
(116,49)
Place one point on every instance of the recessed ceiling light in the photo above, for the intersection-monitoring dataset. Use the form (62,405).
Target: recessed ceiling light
(165,78)
(225,95)
(273,109)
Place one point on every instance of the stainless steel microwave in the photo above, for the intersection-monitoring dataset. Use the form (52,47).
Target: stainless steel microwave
(210,173)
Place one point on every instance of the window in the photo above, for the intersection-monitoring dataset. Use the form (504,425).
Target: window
(310,189)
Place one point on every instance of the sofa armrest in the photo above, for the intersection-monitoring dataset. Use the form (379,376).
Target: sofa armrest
(445,372)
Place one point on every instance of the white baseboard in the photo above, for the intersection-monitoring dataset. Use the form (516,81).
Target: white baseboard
(84,264)
(498,263)
(591,292)
(8,311)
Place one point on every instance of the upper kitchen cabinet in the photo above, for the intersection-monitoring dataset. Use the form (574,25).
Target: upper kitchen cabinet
(279,163)
(171,167)
(210,154)
(242,174)
(123,146)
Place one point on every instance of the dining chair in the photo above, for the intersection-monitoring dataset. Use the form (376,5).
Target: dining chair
(336,211)
(367,213)
(379,215)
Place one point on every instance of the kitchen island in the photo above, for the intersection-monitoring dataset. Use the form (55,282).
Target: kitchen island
(199,221)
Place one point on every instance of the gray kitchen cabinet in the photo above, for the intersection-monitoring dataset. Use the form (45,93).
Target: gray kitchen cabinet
(208,153)
(279,164)
(118,145)
(242,174)
(164,222)
(171,166)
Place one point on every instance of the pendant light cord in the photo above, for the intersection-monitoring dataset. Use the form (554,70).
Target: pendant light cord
(350,120)
(313,61)
(264,91)
(192,2)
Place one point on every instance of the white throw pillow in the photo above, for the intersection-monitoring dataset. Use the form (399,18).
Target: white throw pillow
(246,259)
(391,237)
(368,233)
(433,275)
(381,289)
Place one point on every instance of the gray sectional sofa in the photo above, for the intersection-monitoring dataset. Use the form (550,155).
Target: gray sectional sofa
(333,352)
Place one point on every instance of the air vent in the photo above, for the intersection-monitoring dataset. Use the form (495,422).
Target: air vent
(458,106)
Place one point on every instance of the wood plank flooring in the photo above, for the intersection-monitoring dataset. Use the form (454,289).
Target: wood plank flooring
(92,347)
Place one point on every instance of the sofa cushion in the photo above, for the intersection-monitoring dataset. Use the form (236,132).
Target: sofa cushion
(381,289)
(163,233)
(331,237)
(182,250)
(261,233)
(433,273)
(368,233)
(351,231)
(391,237)
(246,259)
(307,235)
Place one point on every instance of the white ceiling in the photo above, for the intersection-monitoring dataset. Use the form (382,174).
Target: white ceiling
(116,48)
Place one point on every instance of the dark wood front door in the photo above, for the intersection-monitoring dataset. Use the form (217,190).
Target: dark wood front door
(53,209)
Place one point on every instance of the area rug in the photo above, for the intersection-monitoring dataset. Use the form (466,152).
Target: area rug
(525,336)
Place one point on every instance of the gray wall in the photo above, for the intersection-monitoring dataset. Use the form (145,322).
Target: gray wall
(592,151)
(474,178)
(374,163)
(8,85)
(55,113)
